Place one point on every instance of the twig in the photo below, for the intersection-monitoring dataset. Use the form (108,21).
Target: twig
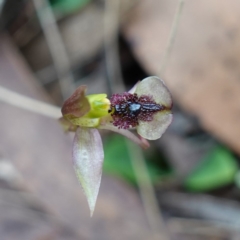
(202,206)
(112,62)
(147,193)
(56,47)
(203,227)
(29,104)
(2,2)
(29,206)
(172,36)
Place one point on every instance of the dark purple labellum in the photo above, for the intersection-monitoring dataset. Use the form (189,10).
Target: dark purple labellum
(127,109)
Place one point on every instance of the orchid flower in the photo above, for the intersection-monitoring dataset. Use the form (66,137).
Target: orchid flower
(146,108)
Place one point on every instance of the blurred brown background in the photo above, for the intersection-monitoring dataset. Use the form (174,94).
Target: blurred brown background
(48,48)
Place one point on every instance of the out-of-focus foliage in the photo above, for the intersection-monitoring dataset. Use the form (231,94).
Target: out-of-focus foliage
(217,169)
(117,161)
(64,7)
(237,179)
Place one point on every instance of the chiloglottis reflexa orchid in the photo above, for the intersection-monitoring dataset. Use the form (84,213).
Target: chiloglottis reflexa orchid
(146,108)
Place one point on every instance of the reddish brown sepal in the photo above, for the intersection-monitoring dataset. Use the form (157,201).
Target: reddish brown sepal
(76,105)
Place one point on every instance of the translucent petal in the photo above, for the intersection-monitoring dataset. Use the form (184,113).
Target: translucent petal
(156,88)
(133,89)
(154,129)
(88,159)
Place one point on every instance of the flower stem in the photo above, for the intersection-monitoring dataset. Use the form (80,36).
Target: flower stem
(29,104)
(147,193)
(141,142)
(172,36)
(56,46)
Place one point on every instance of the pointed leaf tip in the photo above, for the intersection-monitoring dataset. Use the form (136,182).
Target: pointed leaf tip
(88,159)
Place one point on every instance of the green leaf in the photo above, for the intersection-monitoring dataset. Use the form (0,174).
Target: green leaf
(64,7)
(217,169)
